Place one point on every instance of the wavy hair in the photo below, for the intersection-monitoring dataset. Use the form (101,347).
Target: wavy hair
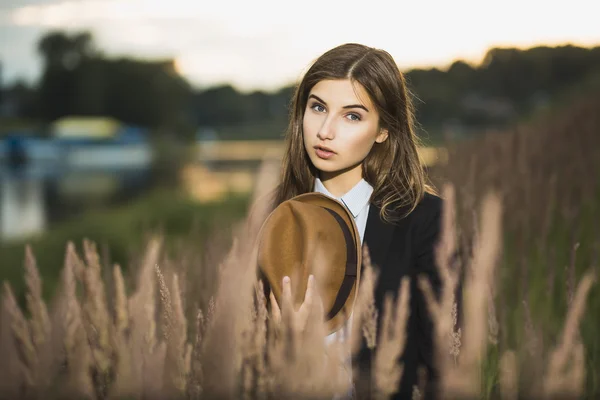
(393,167)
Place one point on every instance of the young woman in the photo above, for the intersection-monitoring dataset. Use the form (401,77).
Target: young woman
(351,137)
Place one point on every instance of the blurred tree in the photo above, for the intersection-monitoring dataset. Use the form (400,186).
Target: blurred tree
(220,105)
(431,90)
(507,84)
(79,80)
(60,50)
(225,106)
(519,74)
(19,100)
(460,74)
(146,93)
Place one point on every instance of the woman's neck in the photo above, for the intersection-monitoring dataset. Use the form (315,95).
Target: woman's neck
(340,182)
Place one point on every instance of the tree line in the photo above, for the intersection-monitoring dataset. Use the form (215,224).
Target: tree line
(79,79)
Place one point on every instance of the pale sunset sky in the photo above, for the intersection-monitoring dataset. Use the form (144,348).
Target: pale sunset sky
(265,44)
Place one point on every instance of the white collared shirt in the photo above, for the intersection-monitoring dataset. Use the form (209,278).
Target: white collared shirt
(357,201)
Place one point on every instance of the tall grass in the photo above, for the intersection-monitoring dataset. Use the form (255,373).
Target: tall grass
(513,332)
(547,175)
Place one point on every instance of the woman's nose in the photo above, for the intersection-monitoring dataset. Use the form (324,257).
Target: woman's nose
(326,131)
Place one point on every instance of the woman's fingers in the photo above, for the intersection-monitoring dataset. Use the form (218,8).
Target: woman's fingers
(310,289)
(308,296)
(275,311)
(287,287)
(287,305)
(300,317)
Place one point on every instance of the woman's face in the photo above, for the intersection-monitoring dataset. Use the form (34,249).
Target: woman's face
(340,126)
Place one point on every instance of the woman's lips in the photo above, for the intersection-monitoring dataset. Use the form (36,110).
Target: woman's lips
(324,154)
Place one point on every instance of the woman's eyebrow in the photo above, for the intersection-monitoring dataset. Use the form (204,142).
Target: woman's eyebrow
(314,96)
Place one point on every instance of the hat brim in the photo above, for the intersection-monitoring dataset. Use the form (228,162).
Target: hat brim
(335,317)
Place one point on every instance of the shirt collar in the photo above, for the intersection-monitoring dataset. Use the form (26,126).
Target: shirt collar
(355,199)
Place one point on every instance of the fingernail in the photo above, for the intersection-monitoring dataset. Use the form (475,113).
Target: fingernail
(311,278)
(286,279)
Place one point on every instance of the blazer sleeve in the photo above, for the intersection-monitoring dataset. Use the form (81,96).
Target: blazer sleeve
(427,235)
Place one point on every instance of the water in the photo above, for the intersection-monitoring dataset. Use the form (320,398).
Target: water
(23,208)
(37,195)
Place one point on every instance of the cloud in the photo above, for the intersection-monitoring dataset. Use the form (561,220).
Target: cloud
(18,53)
(232,15)
(70,13)
(242,48)
(264,43)
(12,4)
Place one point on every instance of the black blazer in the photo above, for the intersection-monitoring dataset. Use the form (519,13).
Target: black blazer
(405,248)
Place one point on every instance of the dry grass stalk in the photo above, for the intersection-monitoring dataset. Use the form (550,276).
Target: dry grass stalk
(455,334)
(476,286)
(121,310)
(70,333)
(260,344)
(195,384)
(254,369)
(262,198)
(416,394)
(11,378)
(165,297)
(565,374)
(96,319)
(551,263)
(178,351)
(441,310)
(460,376)
(40,320)
(76,262)
(533,343)
(571,274)
(365,313)
(508,376)
(39,324)
(142,343)
(392,339)
(120,338)
(230,319)
(28,359)
(493,324)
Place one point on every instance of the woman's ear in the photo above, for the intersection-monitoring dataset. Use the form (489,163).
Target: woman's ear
(382,137)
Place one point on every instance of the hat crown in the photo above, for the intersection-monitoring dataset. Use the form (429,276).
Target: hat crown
(311,234)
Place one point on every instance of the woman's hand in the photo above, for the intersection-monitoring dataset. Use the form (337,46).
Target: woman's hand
(298,318)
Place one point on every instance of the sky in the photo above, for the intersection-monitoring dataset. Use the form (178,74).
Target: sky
(266,44)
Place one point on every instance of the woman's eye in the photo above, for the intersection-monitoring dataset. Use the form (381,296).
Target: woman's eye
(353,117)
(318,108)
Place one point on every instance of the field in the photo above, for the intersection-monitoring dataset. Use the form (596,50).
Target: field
(523,207)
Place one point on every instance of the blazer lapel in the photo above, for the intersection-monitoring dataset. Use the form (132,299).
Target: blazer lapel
(378,237)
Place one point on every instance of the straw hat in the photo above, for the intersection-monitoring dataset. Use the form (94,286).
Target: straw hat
(293,234)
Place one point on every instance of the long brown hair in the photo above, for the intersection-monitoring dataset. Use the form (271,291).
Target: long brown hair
(393,167)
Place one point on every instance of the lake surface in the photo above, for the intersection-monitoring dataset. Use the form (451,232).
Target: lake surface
(35,196)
